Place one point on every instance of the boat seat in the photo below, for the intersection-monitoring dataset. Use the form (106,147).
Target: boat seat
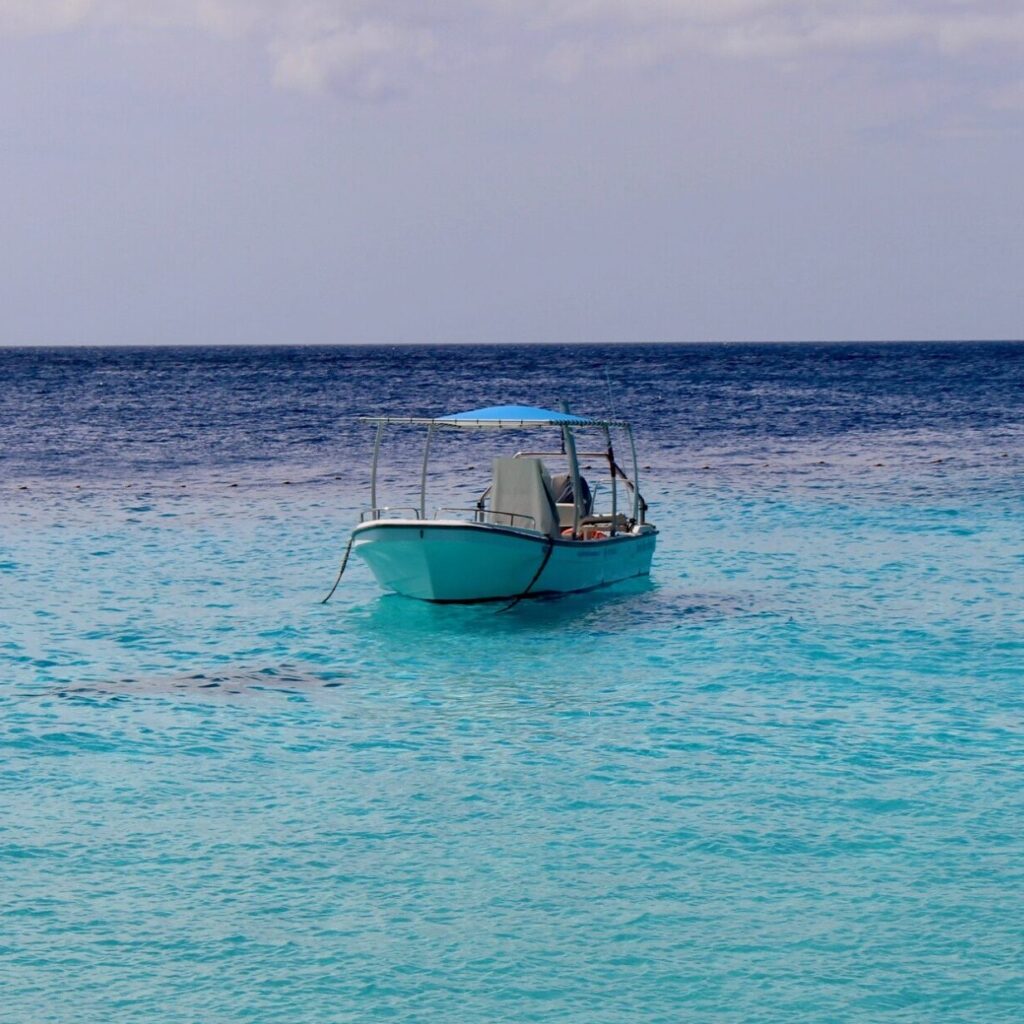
(561,485)
(620,522)
(522,496)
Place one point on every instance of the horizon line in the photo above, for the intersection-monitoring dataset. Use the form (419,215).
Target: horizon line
(503,344)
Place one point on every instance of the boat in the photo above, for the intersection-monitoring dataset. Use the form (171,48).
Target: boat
(534,531)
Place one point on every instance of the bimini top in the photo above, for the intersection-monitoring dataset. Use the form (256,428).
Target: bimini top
(501,416)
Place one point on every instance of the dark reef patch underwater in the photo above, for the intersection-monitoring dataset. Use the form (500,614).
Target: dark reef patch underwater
(780,780)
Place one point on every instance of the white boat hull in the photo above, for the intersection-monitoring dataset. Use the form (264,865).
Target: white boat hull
(453,561)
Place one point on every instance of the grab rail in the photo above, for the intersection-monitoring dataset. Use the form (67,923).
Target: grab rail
(388,512)
(481,516)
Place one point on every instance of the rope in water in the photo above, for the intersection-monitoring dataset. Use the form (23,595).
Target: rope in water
(536,576)
(341,571)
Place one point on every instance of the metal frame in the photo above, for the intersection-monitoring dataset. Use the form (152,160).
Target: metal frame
(570,453)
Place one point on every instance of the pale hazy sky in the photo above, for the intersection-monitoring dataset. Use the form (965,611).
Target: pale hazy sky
(204,171)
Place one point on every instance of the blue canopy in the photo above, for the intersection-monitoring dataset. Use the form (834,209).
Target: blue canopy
(507,416)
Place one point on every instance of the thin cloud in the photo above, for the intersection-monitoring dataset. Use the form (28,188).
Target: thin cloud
(368,59)
(370,49)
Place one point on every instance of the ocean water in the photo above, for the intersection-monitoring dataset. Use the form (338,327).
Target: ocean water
(782,780)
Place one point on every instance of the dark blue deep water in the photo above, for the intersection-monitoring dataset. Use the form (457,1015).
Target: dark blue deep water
(154,414)
(781,781)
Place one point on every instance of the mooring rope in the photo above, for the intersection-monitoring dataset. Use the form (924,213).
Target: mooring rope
(536,576)
(341,571)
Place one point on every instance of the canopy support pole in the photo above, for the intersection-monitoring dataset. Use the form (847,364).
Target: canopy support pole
(636,477)
(423,474)
(373,471)
(615,487)
(574,472)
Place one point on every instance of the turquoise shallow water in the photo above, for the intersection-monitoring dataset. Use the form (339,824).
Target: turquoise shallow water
(782,780)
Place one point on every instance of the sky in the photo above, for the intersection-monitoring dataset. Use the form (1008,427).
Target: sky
(347,171)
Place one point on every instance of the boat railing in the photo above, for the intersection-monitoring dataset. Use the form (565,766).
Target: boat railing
(389,512)
(493,517)
(579,454)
